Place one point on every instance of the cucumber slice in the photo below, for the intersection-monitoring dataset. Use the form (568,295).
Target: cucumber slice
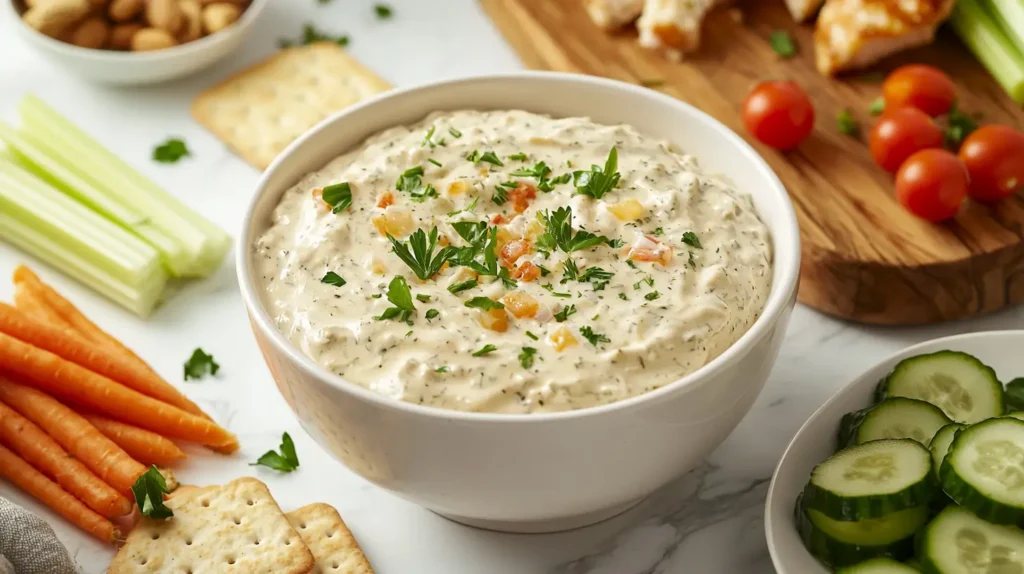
(878,566)
(898,417)
(838,543)
(984,470)
(966,389)
(940,444)
(958,542)
(872,480)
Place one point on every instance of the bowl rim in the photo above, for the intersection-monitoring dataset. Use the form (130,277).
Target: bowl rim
(771,497)
(249,15)
(776,305)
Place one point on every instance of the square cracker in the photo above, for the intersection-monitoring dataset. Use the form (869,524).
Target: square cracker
(332,544)
(236,528)
(259,111)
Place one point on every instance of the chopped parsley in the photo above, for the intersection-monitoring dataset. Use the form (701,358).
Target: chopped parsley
(500,195)
(435,162)
(877,107)
(593,337)
(419,253)
(338,196)
(428,139)
(286,461)
(598,276)
(658,232)
(441,370)
(488,156)
(455,133)
(565,313)
(652,295)
(483,240)
(411,182)
(462,286)
(506,281)
(651,83)
(633,265)
(485,350)
(383,11)
(690,238)
(170,151)
(149,491)
(532,336)
(551,288)
(623,297)
(544,271)
(484,303)
(958,126)
(473,156)
(526,357)
(648,280)
(423,298)
(199,365)
(400,296)
(310,35)
(469,208)
(518,157)
(846,123)
(541,172)
(782,44)
(431,314)
(597,181)
(332,278)
(559,233)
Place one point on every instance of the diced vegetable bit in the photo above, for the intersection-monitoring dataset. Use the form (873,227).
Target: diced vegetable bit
(199,365)
(562,339)
(149,491)
(77,165)
(973,22)
(170,151)
(285,461)
(311,35)
(782,44)
(431,314)
(846,123)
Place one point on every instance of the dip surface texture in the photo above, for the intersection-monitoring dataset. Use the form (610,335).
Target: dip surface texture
(680,269)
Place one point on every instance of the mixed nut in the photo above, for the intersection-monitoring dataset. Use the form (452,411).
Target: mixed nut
(136,25)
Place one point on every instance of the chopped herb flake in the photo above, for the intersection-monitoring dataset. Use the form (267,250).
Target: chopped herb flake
(532,336)
(199,365)
(435,162)
(597,182)
(526,357)
(565,313)
(593,337)
(484,303)
(485,350)
(170,151)
(431,314)
(455,133)
(332,278)
(782,44)
(423,298)
(690,238)
(518,157)
(652,295)
(338,196)
(462,286)
(559,233)
(383,11)
(846,123)
(441,370)
(877,106)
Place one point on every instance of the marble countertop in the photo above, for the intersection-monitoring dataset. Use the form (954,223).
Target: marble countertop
(708,522)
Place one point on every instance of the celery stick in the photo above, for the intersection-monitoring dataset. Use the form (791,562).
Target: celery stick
(204,244)
(1010,15)
(986,40)
(67,235)
(33,155)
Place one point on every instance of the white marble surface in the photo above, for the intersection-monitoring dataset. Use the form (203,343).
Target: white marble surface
(708,522)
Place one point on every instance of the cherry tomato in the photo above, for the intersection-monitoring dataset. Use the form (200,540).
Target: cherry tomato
(932,184)
(918,86)
(779,114)
(994,156)
(900,134)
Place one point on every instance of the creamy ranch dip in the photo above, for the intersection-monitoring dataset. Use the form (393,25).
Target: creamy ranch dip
(667,266)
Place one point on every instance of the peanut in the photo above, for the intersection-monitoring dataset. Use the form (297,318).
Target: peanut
(165,14)
(121,35)
(148,39)
(53,17)
(220,15)
(124,10)
(93,32)
(193,27)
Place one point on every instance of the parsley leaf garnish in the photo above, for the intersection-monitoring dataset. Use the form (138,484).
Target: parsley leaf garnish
(411,182)
(400,296)
(149,491)
(958,126)
(199,365)
(564,314)
(170,151)
(846,123)
(441,369)
(431,313)
(559,233)
(526,357)
(598,182)
(338,196)
(491,158)
(383,11)
(593,337)
(658,232)
(690,238)
(551,288)
(482,240)
(652,295)
(782,44)
(286,461)
(464,285)
(332,278)
(485,350)
(518,157)
(419,253)
(455,133)
(500,195)
(484,303)
(428,139)
(598,276)
(532,336)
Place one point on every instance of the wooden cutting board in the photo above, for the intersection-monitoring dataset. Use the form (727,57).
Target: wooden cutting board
(864,257)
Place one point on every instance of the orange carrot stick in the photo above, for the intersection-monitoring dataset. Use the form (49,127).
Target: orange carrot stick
(142,445)
(21,473)
(102,360)
(82,440)
(30,302)
(70,382)
(42,452)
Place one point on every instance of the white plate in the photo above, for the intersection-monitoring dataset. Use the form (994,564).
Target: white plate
(815,441)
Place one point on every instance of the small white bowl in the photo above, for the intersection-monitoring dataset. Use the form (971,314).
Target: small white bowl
(140,68)
(816,439)
(542,472)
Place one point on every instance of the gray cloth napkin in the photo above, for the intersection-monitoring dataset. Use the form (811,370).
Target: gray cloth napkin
(28,544)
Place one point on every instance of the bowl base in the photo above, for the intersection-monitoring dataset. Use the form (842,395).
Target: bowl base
(543,526)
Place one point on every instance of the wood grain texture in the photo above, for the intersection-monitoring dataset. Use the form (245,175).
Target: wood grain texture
(864,257)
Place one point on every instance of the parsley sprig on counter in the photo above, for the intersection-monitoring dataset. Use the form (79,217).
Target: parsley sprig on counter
(200,364)
(559,233)
(170,151)
(400,296)
(419,254)
(597,181)
(149,491)
(286,461)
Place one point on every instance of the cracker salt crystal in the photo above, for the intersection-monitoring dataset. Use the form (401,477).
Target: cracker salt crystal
(236,528)
(332,544)
(259,111)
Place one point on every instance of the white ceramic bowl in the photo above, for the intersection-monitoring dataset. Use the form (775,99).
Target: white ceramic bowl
(815,441)
(542,472)
(139,68)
